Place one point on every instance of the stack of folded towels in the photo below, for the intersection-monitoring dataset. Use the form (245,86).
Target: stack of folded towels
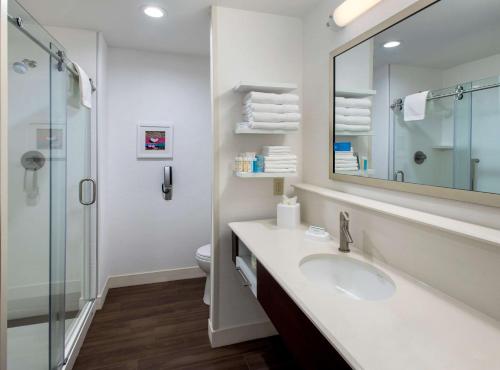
(268,111)
(279,159)
(352,115)
(346,160)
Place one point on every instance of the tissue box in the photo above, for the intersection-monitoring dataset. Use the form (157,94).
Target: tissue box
(288,215)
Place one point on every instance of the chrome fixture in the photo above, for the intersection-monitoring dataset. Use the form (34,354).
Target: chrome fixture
(80,192)
(419,157)
(459,92)
(23,66)
(167,187)
(345,235)
(395,176)
(473,168)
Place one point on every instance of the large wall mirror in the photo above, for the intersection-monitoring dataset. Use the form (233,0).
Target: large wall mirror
(418,103)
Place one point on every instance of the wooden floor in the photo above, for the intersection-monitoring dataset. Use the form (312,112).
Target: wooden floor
(164,326)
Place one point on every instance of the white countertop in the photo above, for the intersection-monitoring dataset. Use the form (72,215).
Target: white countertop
(417,328)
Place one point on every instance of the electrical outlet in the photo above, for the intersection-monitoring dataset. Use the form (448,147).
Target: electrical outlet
(278,186)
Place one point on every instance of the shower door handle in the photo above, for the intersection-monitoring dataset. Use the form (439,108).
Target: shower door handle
(80,192)
(473,167)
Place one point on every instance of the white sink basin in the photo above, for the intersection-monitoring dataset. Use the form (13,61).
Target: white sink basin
(354,278)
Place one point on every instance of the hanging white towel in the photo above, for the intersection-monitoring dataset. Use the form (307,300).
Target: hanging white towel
(414,106)
(85,86)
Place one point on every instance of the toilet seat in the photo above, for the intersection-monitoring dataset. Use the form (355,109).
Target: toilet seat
(204,252)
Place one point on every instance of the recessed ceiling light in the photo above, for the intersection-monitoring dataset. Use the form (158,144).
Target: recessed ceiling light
(392,44)
(154,11)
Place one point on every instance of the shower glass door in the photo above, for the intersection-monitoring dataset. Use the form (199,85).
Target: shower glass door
(51,274)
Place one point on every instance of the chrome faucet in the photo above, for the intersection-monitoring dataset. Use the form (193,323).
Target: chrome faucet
(345,235)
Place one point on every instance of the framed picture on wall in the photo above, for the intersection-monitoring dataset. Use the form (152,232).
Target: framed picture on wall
(155,141)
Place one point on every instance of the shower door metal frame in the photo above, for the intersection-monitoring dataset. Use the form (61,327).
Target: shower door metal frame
(3,182)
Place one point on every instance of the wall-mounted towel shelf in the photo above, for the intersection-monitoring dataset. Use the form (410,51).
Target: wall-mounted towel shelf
(278,88)
(258,175)
(240,131)
(354,93)
(354,133)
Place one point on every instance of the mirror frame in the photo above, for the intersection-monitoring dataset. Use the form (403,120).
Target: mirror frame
(487,199)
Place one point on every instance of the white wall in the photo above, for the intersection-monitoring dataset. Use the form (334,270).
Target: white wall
(143,232)
(246,46)
(456,266)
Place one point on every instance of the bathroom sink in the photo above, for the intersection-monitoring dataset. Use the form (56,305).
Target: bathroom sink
(354,278)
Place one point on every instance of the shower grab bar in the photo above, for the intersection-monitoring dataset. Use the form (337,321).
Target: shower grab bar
(473,168)
(459,92)
(80,192)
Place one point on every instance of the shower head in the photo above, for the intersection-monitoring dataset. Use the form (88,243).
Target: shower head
(23,66)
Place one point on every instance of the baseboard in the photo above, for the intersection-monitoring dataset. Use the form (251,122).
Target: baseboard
(241,333)
(119,281)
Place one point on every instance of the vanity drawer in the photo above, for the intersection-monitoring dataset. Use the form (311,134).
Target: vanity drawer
(309,347)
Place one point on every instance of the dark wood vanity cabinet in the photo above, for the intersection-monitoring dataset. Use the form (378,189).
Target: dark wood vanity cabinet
(310,348)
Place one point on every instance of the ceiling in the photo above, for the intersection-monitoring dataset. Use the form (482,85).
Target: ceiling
(442,37)
(185,29)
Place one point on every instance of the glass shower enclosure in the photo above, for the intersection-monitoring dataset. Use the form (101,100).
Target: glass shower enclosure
(51,275)
(458,138)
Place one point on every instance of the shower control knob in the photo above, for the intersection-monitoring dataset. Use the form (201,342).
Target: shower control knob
(419,157)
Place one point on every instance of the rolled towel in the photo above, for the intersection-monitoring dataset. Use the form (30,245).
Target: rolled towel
(270,98)
(360,112)
(352,128)
(292,126)
(271,108)
(269,158)
(352,120)
(352,103)
(272,117)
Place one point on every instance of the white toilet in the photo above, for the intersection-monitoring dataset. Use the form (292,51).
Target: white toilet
(203,257)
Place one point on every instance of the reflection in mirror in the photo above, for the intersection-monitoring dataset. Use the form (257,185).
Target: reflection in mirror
(420,101)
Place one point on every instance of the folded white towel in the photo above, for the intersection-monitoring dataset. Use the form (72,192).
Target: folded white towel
(352,103)
(271,108)
(360,112)
(346,169)
(270,98)
(279,170)
(344,154)
(271,117)
(352,120)
(346,160)
(414,106)
(280,166)
(345,165)
(352,128)
(85,86)
(269,158)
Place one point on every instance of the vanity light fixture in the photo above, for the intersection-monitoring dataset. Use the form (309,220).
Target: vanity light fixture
(392,44)
(153,11)
(349,10)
